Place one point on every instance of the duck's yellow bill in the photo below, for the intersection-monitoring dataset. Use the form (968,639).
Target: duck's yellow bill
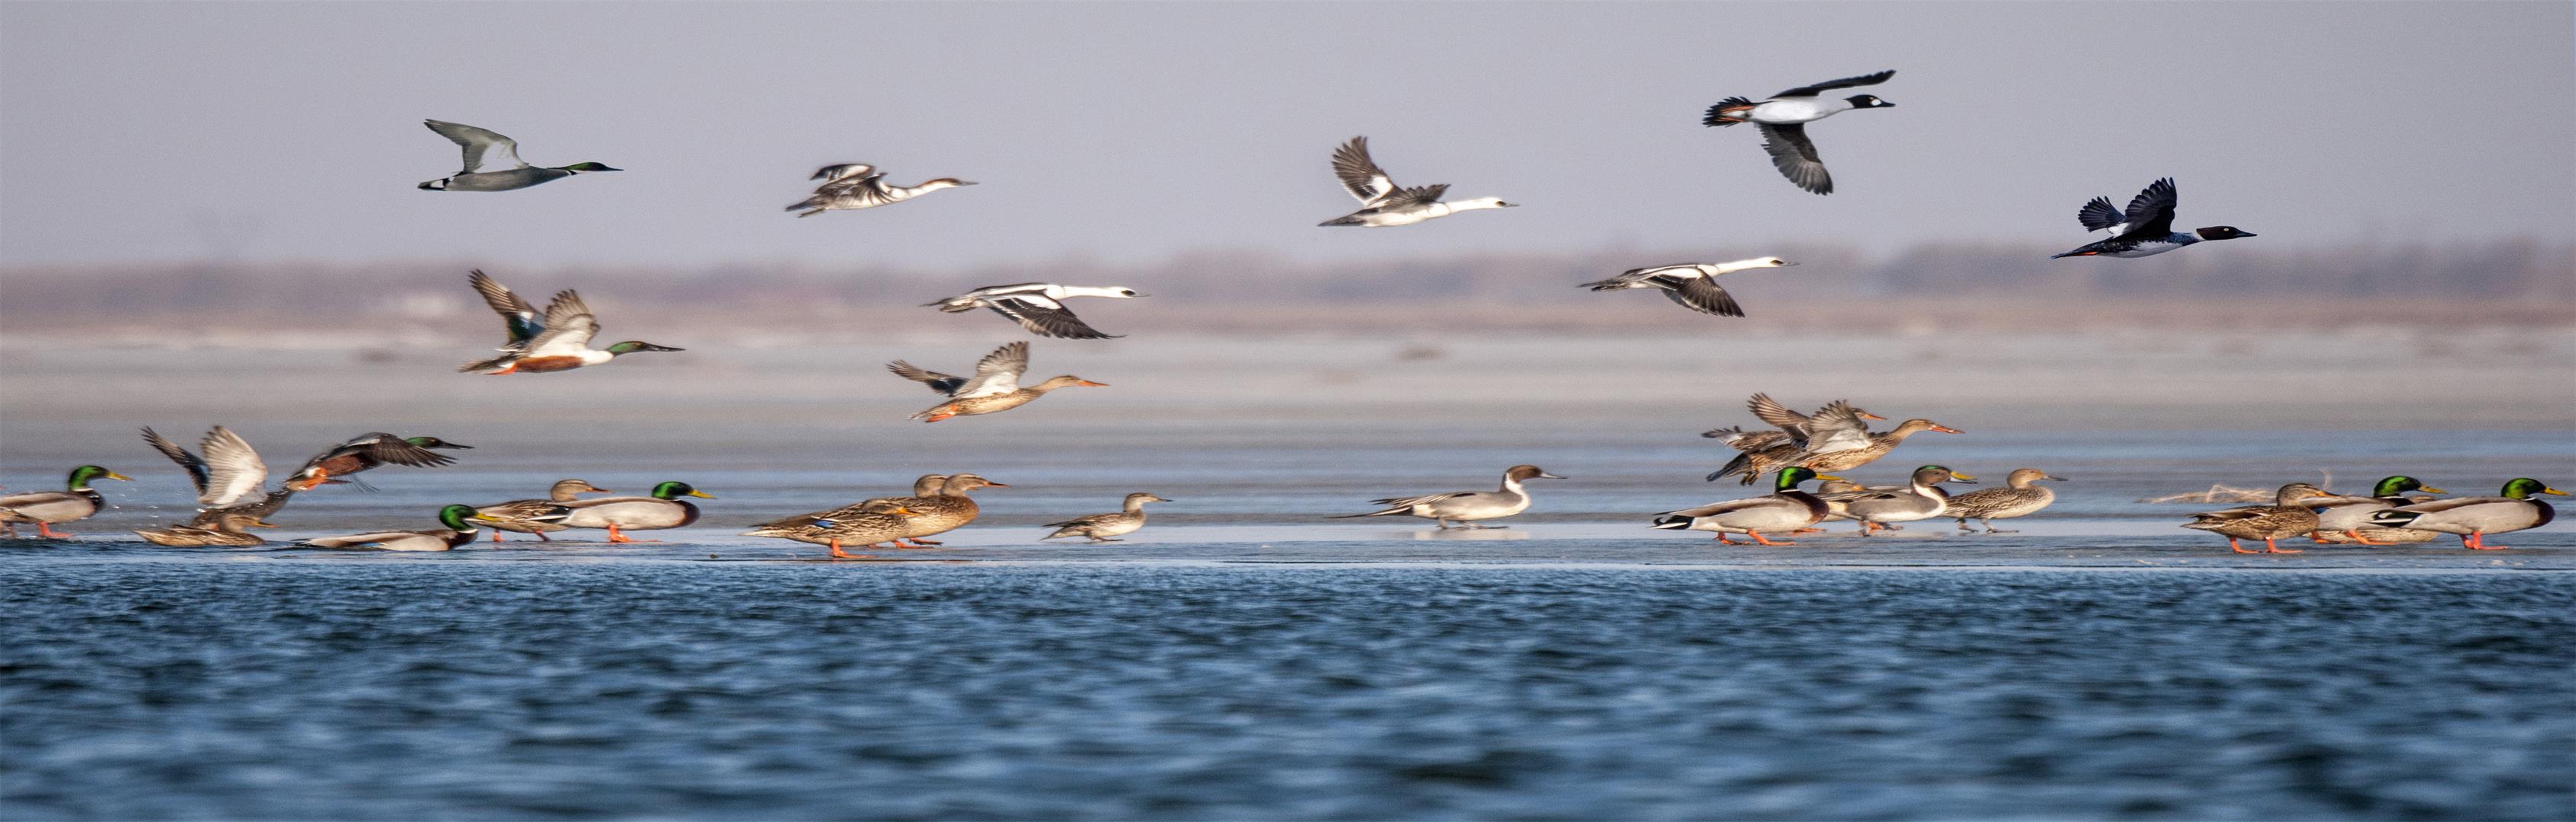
(116,476)
(702,494)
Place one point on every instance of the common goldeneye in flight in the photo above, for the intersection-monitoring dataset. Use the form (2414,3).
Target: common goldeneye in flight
(2146,229)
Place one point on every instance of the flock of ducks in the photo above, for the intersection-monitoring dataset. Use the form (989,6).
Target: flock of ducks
(1793,450)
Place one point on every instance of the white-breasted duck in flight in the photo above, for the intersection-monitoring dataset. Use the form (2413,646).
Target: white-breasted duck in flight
(1691,285)
(1784,118)
(1038,307)
(484,145)
(1382,203)
(2146,229)
(558,340)
(852,186)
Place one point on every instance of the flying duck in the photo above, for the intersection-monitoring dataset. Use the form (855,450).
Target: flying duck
(851,186)
(368,451)
(1690,285)
(1382,204)
(1784,118)
(483,145)
(2146,229)
(559,341)
(1466,506)
(228,474)
(995,386)
(1038,307)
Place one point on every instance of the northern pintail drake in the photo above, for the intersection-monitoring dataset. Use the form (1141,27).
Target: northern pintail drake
(2022,496)
(994,388)
(1921,498)
(558,340)
(851,186)
(1689,285)
(2288,516)
(1784,118)
(459,531)
(483,146)
(227,476)
(1106,527)
(1465,507)
(367,451)
(864,524)
(2473,518)
(77,501)
(537,516)
(2146,229)
(2346,520)
(1785,510)
(228,530)
(1038,307)
(1382,203)
(664,509)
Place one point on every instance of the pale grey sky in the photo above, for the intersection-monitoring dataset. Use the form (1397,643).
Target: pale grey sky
(169,132)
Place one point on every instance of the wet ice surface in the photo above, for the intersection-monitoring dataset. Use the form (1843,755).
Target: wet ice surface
(1244,656)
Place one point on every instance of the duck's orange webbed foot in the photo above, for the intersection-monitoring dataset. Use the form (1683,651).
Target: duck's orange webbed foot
(2232,546)
(2270,547)
(1757,537)
(47,530)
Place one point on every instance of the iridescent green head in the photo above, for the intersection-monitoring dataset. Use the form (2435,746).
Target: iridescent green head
(2397,485)
(578,168)
(455,517)
(632,346)
(1789,478)
(82,475)
(671,490)
(2524,487)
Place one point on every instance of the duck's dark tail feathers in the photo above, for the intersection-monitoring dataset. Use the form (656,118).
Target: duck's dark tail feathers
(1718,116)
(1673,522)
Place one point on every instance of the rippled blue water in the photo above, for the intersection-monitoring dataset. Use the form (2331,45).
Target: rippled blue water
(153,687)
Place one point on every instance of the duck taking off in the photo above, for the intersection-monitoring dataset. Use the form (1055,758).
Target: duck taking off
(994,388)
(558,340)
(1038,307)
(1689,285)
(482,146)
(852,186)
(2146,229)
(1382,204)
(1466,506)
(1784,118)
(368,451)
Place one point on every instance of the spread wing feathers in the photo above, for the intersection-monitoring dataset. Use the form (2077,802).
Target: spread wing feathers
(1702,295)
(1847,82)
(1417,195)
(393,450)
(1778,416)
(2099,214)
(196,467)
(233,470)
(997,373)
(1839,427)
(1795,157)
(515,311)
(480,144)
(2151,213)
(568,326)
(1045,317)
(843,171)
(944,384)
(1742,440)
(1360,175)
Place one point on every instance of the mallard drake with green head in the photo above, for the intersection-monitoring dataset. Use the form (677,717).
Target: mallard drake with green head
(994,388)
(484,145)
(2022,496)
(459,532)
(537,516)
(1784,510)
(558,340)
(2473,518)
(77,501)
(2343,520)
(663,509)
(1106,527)
(863,525)
(2288,516)
(229,531)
